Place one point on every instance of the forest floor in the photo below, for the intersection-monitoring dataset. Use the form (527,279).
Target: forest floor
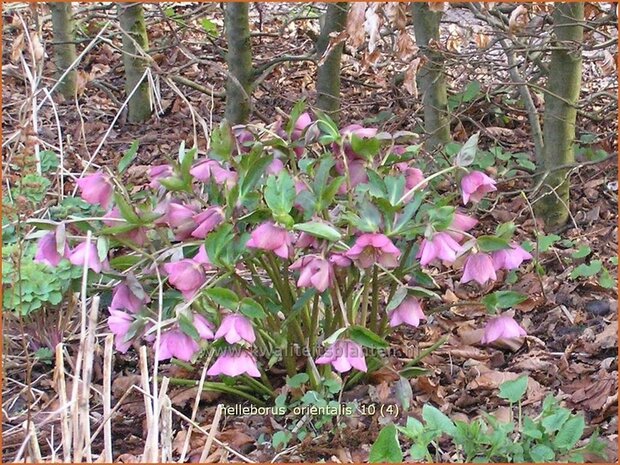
(571,347)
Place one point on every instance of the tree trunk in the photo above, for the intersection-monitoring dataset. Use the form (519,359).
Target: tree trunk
(239,59)
(131,16)
(431,77)
(328,75)
(561,111)
(64,47)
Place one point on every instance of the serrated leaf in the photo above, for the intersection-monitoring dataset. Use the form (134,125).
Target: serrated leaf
(223,297)
(126,211)
(437,420)
(251,308)
(280,193)
(128,157)
(587,271)
(187,327)
(545,242)
(570,433)
(386,448)
(513,390)
(367,147)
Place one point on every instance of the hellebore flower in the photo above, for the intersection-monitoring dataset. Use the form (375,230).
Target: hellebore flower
(340,260)
(136,235)
(207,221)
(302,123)
(268,236)
(235,363)
(207,169)
(510,259)
(413,176)
(409,312)
(275,167)
(502,327)
(461,222)
(479,267)
(203,326)
(358,131)
(123,298)
(186,275)
(306,240)
(47,250)
(79,254)
(441,246)
(179,217)
(175,343)
(203,258)
(235,328)
(315,272)
(371,248)
(474,185)
(243,136)
(158,172)
(344,355)
(119,323)
(357,174)
(96,189)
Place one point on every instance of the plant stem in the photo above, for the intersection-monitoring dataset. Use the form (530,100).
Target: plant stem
(375,298)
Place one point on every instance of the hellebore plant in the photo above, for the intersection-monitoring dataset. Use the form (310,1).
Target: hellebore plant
(297,244)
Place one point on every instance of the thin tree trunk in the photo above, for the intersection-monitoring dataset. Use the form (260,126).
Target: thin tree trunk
(64,47)
(239,59)
(561,111)
(431,76)
(131,16)
(328,75)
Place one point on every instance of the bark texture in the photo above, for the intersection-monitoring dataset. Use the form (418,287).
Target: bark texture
(239,59)
(64,47)
(328,75)
(131,17)
(431,77)
(561,100)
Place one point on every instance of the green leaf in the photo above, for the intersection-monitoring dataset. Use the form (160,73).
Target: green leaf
(555,421)
(412,429)
(583,252)
(437,420)
(541,453)
(492,243)
(570,433)
(467,154)
(280,439)
(606,280)
(367,338)
(587,271)
(222,296)
(334,337)
(530,428)
(386,448)
(413,372)
(126,211)
(320,230)
(367,147)
(399,296)
(222,142)
(514,390)
(187,326)
(503,299)
(209,27)
(545,242)
(505,230)
(441,218)
(128,157)
(49,161)
(251,308)
(297,380)
(280,193)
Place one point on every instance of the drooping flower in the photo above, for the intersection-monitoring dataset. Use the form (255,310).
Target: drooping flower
(185,275)
(302,123)
(235,363)
(359,131)
(315,272)
(510,259)
(207,169)
(203,258)
(123,298)
(371,248)
(235,328)
(340,260)
(275,167)
(119,323)
(357,174)
(409,312)
(207,221)
(343,355)
(441,246)
(413,176)
(47,250)
(243,136)
(474,185)
(136,235)
(268,236)
(158,172)
(479,267)
(306,240)
(179,217)
(461,222)
(83,250)
(96,189)
(175,343)
(203,326)
(502,327)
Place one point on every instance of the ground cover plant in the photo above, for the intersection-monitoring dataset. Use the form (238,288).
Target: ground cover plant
(318,275)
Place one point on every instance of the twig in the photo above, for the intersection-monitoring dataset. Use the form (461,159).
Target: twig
(107,398)
(61,388)
(211,436)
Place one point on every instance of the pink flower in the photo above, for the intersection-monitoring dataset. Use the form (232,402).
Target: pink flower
(461,222)
(136,235)
(315,272)
(371,248)
(235,363)
(302,123)
(479,267)
(510,259)
(158,172)
(207,221)
(357,174)
(203,326)
(119,323)
(123,298)
(47,250)
(360,132)
(306,240)
(207,169)
(175,343)
(96,189)
(275,166)
(502,327)
(441,246)
(203,258)
(340,260)
(235,328)
(409,312)
(243,136)
(179,217)
(79,254)
(474,185)
(413,176)
(268,236)
(185,275)
(344,355)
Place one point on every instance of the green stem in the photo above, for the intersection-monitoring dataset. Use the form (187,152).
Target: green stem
(216,387)
(366,292)
(375,298)
(425,181)
(426,352)
(314,324)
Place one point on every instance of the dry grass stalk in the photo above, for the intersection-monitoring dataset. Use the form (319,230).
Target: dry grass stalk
(107,399)
(61,389)
(212,432)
